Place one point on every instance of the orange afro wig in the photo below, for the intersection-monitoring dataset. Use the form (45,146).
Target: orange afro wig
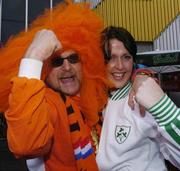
(78,28)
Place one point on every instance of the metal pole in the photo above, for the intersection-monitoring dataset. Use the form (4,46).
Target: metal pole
(0,18)
(51,10)
(51,5)
(26,15)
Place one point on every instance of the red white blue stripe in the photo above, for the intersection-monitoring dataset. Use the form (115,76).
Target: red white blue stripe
(82,149)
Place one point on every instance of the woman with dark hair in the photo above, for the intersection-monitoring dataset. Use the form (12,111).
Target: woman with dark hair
(129,141)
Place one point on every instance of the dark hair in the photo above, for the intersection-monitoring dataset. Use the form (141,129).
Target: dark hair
(120,34)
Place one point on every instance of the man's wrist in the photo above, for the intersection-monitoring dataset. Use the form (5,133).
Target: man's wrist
(30,68)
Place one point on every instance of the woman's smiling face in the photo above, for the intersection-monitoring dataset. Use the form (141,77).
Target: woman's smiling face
(120,65)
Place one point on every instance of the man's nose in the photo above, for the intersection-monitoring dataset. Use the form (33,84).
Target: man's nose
(66,65)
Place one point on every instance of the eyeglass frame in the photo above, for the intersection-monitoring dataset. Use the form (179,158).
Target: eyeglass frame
(59,60)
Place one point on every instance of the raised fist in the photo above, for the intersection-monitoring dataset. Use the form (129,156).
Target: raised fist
(44,44)
(149,93)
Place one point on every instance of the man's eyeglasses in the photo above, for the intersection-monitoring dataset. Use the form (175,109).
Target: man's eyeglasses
(58,61)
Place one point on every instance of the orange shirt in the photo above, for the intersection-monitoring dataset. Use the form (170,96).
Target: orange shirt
(38,125)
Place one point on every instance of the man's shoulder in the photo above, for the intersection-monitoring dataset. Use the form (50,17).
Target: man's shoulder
(52,95)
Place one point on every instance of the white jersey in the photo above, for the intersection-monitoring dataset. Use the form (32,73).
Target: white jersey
(130,142)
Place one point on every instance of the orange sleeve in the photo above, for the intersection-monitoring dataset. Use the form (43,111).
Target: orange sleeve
(30,129)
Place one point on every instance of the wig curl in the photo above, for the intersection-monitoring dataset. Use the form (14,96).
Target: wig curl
(78,28)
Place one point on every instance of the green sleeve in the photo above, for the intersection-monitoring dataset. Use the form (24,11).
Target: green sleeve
(167,115)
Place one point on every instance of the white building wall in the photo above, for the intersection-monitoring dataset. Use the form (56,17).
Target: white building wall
(170,38)
(93,2)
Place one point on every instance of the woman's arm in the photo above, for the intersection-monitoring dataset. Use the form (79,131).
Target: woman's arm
(167,115)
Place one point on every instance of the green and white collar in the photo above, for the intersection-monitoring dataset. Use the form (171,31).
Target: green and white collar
(122,92)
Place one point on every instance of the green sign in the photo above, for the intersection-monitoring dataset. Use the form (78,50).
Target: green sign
(159,59)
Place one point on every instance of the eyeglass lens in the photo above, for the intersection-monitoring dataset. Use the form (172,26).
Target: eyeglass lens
(58,61)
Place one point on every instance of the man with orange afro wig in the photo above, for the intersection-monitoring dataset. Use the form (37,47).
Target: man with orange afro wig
(55,76)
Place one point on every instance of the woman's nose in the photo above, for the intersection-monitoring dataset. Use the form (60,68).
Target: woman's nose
(119,63)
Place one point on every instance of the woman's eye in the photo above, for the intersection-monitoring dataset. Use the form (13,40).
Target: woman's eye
(127,57)
(113,57)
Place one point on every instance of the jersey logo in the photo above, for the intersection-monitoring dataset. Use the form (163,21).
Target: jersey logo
(121,133)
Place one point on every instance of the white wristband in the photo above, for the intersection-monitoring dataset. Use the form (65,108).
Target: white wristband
(30,68)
